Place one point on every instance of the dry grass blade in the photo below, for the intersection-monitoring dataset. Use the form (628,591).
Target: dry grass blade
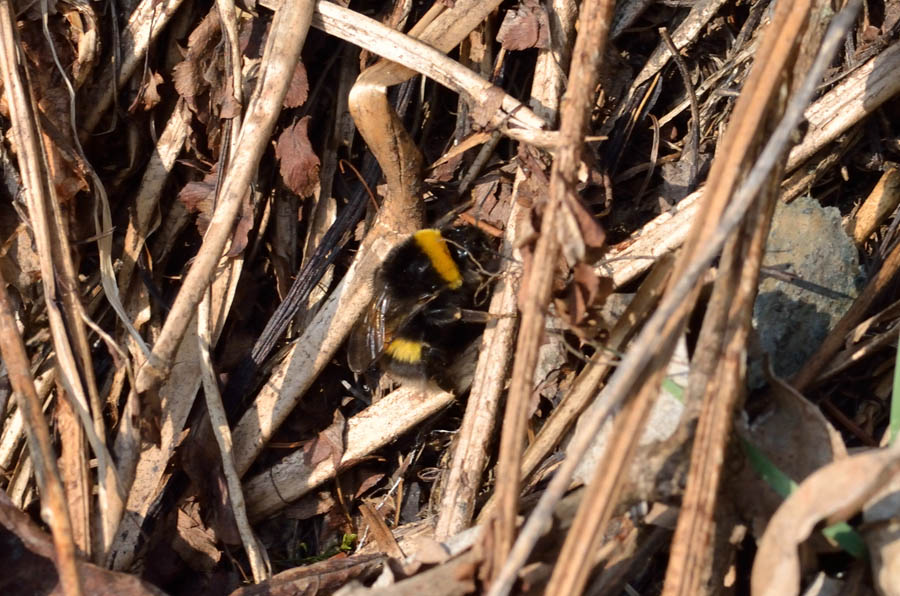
(54,510)
(593,27)
(282,51)
(60,287)
(717,372)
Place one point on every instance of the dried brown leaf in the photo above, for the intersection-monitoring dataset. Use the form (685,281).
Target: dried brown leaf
(299,165)
(298,90)
(525,27)
(833,493)
(148,96)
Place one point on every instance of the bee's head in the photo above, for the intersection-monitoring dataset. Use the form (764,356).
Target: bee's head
(471,247)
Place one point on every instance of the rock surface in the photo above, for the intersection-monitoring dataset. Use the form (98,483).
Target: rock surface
(792,318)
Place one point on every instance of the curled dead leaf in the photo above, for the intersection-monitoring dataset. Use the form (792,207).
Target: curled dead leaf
(298,164)
(525,27)
(833,493)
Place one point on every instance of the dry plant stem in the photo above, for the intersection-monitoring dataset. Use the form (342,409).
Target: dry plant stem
(57,270)
(584,389)
(219,423)
(575,561)
(669,316)
(587,57)
(147,200)
(401,213)
(425,56)
(283,45)
(880,203)
(477,429)
(176,397)
(850,101)
(691,559)
(53,502)
(144,25)
(829,117)
(379,424)
(692,150)
(716,370)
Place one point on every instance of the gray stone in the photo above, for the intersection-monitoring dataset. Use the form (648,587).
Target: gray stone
(808,241)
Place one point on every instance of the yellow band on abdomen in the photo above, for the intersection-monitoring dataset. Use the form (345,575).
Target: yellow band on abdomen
(432,244)
(405,350)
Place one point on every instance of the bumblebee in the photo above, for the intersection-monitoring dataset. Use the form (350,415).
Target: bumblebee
(422,313)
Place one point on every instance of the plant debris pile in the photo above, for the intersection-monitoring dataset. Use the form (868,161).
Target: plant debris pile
(651,347)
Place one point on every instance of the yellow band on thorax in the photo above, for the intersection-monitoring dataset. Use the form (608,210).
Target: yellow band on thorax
(432,244)
(405,350)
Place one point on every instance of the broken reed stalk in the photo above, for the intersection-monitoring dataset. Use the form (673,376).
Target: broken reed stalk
(476,433)
(664,320)
(717,376)
(584,74)
(283,44)
(53,500)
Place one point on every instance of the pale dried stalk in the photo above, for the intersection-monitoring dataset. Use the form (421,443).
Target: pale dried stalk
(283,45)
(477,429)
(74,361)
(666,321)
(53,501)
(219,423)
(176,398)
(686,32)
(146,203)
(850,101)
(371,429)
(513,118)
(587,57)
(880,203)
(144,25)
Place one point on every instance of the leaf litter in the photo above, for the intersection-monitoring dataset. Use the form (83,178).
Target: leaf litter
(353,485)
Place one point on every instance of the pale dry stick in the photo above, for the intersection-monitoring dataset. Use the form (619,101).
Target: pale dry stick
(228,19)
(686,32)
(14,426)
(584,539)
(854,98)
(425,56)
(662,235)
(477,429)
(584,73)
(53,500)
(283,45)
(146,203)
(176,397)
(584,389)
(877,206)
(57,270)
(400,214)
(716,378)
(647,344)
(376,426)
(145,24)
(219,423)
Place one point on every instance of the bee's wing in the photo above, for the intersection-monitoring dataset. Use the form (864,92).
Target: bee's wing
(366,341)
